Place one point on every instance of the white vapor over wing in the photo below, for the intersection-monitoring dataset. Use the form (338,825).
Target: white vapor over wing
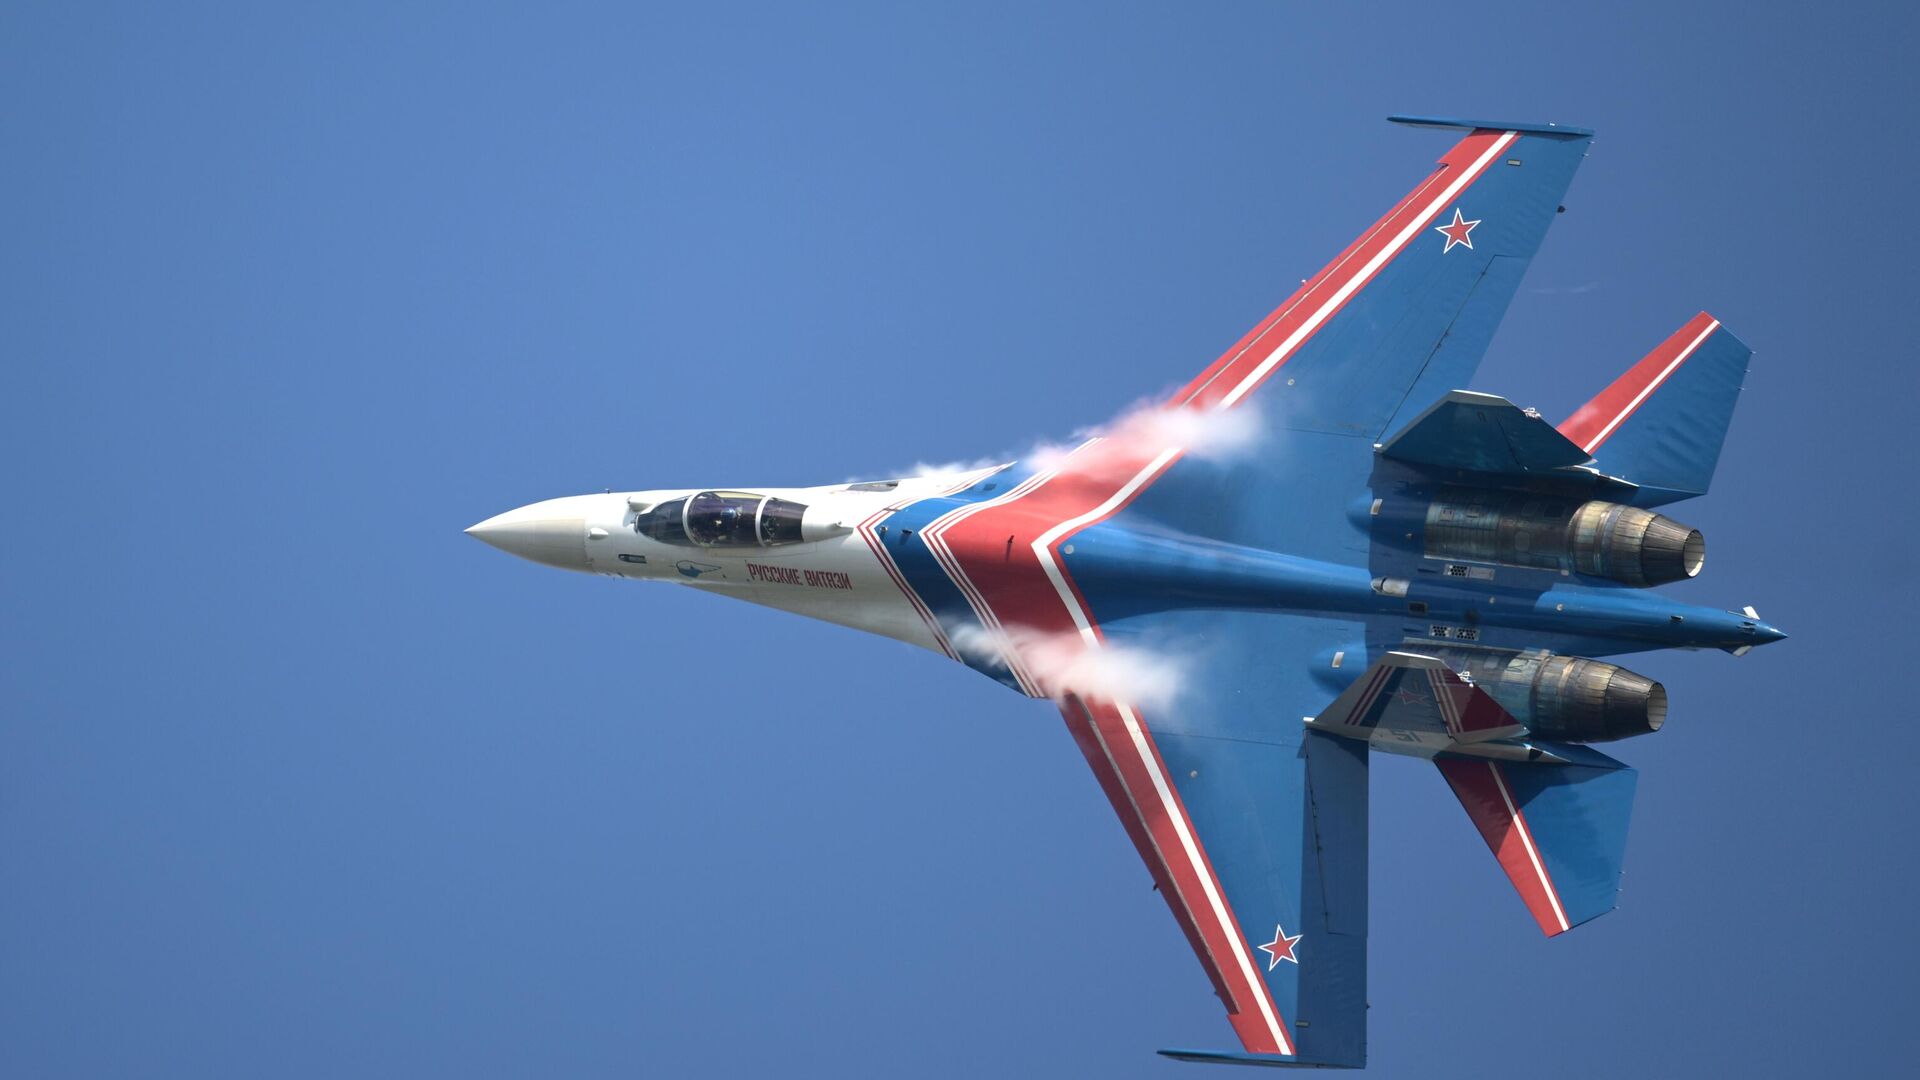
(1213,434)
(1065,664)
(1209,434)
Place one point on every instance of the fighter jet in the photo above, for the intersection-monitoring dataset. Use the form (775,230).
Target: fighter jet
(1333,547)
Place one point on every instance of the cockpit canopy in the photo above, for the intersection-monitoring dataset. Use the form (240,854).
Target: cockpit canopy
(723,519)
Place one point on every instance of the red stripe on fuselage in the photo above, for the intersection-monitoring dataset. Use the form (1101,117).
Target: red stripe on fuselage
(885,558)
(869,532)
(993,547)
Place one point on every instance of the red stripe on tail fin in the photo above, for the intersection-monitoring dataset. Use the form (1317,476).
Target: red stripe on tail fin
(1596,421)
(1484,791)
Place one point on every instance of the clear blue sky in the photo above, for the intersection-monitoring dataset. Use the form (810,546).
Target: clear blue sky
(296,780)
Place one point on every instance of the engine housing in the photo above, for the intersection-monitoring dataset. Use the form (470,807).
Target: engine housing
(1565,698)
(1594,537)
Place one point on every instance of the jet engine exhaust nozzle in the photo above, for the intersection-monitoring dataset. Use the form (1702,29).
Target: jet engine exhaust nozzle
(1568,698)
(1601,539)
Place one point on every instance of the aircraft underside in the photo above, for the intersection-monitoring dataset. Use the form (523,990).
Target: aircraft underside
(1322,546)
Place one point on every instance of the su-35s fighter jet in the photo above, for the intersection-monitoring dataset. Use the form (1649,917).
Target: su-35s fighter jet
(1387,562)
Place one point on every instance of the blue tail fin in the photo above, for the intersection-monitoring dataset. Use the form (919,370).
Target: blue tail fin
(1661,424)
(1559,831)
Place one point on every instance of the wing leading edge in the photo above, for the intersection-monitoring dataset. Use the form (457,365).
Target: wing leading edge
(1389,327)
(1254,829)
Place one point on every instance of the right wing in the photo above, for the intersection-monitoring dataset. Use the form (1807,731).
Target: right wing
(1253,827)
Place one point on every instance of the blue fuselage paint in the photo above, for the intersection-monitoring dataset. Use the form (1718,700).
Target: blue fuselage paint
(1134,571)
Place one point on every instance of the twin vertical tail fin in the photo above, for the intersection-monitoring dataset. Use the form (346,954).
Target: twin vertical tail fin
(1559,831)
(1661,425)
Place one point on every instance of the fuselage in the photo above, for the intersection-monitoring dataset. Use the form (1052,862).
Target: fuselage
(829,553)
(824,561)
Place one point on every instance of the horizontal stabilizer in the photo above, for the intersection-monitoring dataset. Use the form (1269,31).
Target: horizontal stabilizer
(1558,831)
(1483,433)
(1412,704)
(1661,425)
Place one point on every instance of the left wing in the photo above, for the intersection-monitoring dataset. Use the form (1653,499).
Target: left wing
(1254,828)
(1405,312)
(1390,326)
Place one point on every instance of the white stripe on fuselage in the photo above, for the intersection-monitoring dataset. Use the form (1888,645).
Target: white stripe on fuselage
(935,537)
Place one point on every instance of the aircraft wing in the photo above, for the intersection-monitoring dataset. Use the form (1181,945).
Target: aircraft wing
(1254,828)
(1415,299)
(1385,330)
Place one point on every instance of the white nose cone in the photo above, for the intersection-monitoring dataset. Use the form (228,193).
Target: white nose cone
(553,532)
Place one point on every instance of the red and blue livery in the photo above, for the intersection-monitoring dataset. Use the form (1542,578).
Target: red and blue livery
(1322,546)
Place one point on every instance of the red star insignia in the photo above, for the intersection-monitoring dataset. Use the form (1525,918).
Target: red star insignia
(1409,697)
(1280,948)
(1457,232)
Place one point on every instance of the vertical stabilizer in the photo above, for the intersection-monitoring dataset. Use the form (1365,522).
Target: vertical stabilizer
(1559,831)
(1662,423)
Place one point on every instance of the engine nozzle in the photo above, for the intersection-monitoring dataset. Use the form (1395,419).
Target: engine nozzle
(1598,538)
(1568,698)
